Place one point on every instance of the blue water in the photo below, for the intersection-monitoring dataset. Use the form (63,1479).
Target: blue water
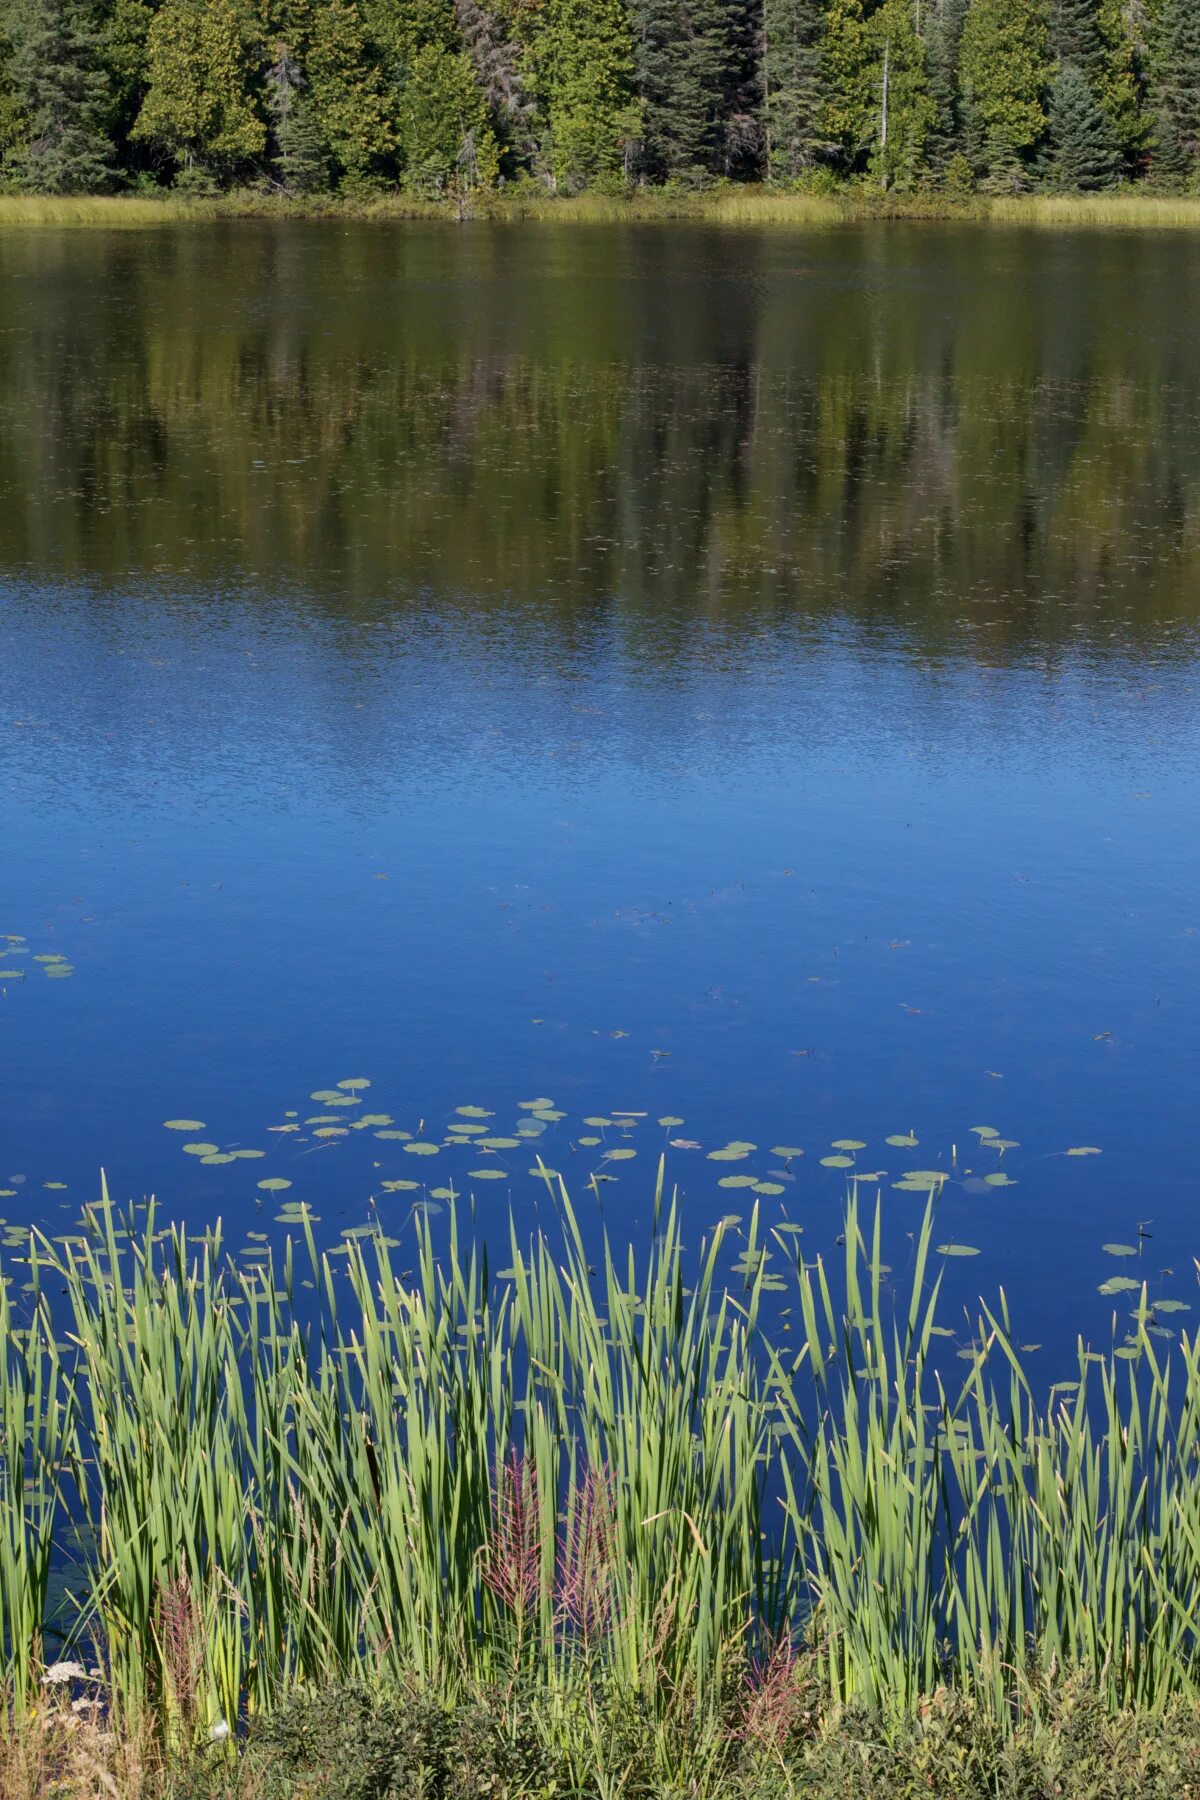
(840,828)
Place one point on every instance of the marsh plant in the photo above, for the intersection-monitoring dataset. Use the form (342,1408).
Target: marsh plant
(222,1487)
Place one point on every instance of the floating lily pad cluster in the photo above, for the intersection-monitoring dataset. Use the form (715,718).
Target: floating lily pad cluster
(18,960)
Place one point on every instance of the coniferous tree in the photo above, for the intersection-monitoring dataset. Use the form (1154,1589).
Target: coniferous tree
(444,137)
(1075,37)
(203,59)
(1120,84)
(684,55)
(1083,154)
(906,111)
(1177,84)
(850,115)
(347,92)
(1004,72)
(499,64)
(302,154)
(587,70)
(793,64)
(60,99)
(943,40)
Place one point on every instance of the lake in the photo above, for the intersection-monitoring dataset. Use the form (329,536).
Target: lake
(745,678)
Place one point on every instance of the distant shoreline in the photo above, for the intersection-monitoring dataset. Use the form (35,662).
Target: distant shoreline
(720,206)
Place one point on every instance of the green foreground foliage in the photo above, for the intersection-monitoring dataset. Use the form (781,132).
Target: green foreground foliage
(640,1492)
(456,96)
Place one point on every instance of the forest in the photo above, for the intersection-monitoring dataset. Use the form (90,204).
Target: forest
(438,97)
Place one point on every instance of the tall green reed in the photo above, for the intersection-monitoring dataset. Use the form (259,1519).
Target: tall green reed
(570,1476)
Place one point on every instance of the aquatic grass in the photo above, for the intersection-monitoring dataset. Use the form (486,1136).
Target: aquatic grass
(583,1479)
(725,204)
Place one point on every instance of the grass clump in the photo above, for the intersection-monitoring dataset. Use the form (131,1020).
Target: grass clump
(595,1529)
(726,204)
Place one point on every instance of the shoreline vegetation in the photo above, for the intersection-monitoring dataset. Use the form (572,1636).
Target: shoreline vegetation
(292,1522)
(731,205)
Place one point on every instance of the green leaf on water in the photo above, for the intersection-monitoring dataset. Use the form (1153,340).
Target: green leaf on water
(473,1112)
(837,1162)
(985,1131)
(848,1144)
(1119,1249)
(902,1140)
(1119,1284)
(274,1184)
(736,1151)
(786,1150)
(395,1136)
(422,1149)
(534,1105)
(669,1120)
(399,1186)
(499,1143)
(222,1156)
(1084,1150)
(355,1084)
(183,1124)
(57,1187)
(736,1181)
(618,1155)
(589,1141)
(957,1250)
(247,1155)
(487,1174)
(1000,1180)
(1171,1306)
(328,1131)
(201,1149)
(767,1187)
(597,1124)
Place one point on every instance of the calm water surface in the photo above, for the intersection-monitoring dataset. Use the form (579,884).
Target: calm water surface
(745,678)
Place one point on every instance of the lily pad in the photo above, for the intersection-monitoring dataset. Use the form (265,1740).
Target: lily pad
(902,1140)
(1084,1150)
(183,1124)
(1119,1249)
(848,1144)
(274,1184)
(201,1149)
(957,1250)
(837,1162)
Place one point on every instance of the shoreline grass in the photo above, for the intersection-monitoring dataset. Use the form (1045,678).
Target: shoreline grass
(627,1492)
(728,205)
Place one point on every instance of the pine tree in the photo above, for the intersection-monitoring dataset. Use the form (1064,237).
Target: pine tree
(302,155)
(444,137)
(684,58)
(498,61)
(60,97)
(1120,83)
(1176,71)
(1076,38)
(794,87)
(1083,155)
(203,61)
(851,115)
(906,110)
(347,93)
(587,72)
(943,41)
(1004,71)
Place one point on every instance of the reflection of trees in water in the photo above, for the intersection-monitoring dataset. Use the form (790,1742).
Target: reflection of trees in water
(284,406)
